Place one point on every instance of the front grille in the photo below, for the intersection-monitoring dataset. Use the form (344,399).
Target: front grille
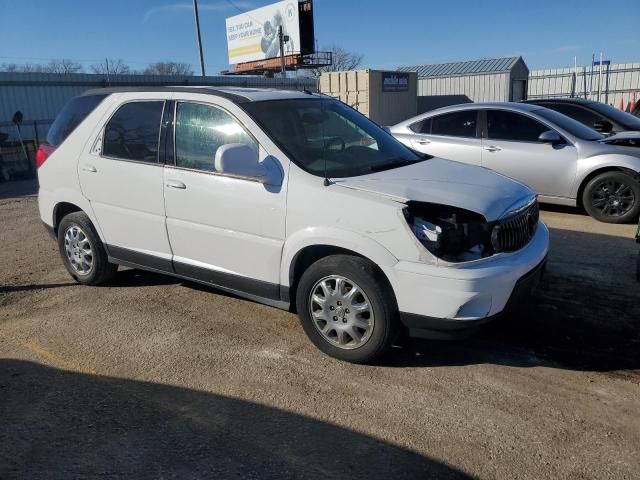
(515,231)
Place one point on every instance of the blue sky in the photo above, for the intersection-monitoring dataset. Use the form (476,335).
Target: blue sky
(546,33)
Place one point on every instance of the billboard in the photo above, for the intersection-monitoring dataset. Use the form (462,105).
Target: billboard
(253,35)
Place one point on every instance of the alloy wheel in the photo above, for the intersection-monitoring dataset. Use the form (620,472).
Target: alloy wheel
(341,312)
(613,198)
(79,250)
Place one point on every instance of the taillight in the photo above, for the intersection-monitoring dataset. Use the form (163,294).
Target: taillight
(43,153)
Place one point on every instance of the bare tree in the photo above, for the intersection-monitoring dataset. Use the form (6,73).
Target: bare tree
(168,68)
(10,67)
(111,66)
(343,60)
(63,65)
(53,66)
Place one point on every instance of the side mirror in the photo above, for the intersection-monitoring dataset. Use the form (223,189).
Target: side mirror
(603,126)
(550,137)
(240,160)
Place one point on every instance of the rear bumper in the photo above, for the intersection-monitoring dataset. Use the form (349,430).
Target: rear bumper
(444,328)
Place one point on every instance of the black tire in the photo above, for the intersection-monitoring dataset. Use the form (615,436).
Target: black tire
(101,270)
(381,299)
(612,197)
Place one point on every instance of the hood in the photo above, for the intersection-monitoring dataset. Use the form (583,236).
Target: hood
(446,182)
(625,139)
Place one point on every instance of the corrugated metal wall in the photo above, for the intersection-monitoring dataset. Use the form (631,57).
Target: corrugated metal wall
(618,84)
(40,96)
(478,88)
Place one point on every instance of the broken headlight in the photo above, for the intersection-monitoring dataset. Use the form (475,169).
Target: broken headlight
(450,233)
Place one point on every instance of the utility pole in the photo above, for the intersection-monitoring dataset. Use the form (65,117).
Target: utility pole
(195,11)
(281,38)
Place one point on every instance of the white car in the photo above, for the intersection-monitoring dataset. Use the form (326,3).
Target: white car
(292,199)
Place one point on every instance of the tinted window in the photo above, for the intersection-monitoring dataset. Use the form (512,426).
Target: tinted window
(580,114)
(456,124)
(133,132)
(625,119)
(71,115)
(319,134)
(568,124)
(502,125)
(201,130)
(421,127)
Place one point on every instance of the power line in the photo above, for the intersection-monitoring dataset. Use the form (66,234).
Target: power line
(230,2)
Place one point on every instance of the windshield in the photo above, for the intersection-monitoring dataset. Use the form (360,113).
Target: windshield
(320,134)
(568,124)
(625,119)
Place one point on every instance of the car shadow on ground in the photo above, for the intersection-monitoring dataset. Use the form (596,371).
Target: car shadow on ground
(34,286)
(585,314)
(62,424)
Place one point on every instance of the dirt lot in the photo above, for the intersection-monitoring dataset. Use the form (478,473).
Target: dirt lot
(153,377)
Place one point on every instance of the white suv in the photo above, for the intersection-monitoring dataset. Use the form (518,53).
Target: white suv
(292,199)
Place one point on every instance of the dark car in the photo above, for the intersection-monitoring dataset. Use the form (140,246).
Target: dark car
(638,265)
(599,116)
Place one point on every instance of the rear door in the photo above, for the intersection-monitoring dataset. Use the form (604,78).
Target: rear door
(452,135)
(511,147)
(122,176)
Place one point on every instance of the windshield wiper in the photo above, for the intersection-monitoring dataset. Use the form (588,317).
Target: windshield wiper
(398,162)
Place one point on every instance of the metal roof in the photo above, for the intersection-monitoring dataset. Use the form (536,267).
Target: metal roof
(490,65)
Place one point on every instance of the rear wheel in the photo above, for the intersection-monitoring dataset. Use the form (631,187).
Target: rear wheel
(347,308)
(82,252)
(612,197)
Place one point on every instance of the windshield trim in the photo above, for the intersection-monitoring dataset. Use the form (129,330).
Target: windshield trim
(419,157)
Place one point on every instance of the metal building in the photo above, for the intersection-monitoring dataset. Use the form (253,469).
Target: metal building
(40,96)
(489,80)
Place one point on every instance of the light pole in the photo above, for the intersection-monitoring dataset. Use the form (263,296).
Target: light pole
(195,11)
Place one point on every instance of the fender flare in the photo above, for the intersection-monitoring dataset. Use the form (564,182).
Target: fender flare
(334,237)
(75,198)
(612,162)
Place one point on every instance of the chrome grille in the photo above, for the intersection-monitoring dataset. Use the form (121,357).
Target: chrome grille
(514,232)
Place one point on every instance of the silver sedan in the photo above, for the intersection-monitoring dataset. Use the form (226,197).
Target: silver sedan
(562,160)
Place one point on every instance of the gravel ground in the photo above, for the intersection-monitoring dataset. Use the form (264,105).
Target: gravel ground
(156,378)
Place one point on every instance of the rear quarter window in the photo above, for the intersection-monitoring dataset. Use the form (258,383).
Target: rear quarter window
(72,115)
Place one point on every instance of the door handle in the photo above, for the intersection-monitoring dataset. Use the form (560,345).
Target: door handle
(90,169)
(492,148)
(423,141)
(176,184)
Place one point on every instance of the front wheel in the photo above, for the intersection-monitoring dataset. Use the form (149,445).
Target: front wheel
(612,197)
(347,308)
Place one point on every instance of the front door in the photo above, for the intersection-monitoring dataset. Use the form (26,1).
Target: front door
(511,147)
(223,230)
(122,176)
